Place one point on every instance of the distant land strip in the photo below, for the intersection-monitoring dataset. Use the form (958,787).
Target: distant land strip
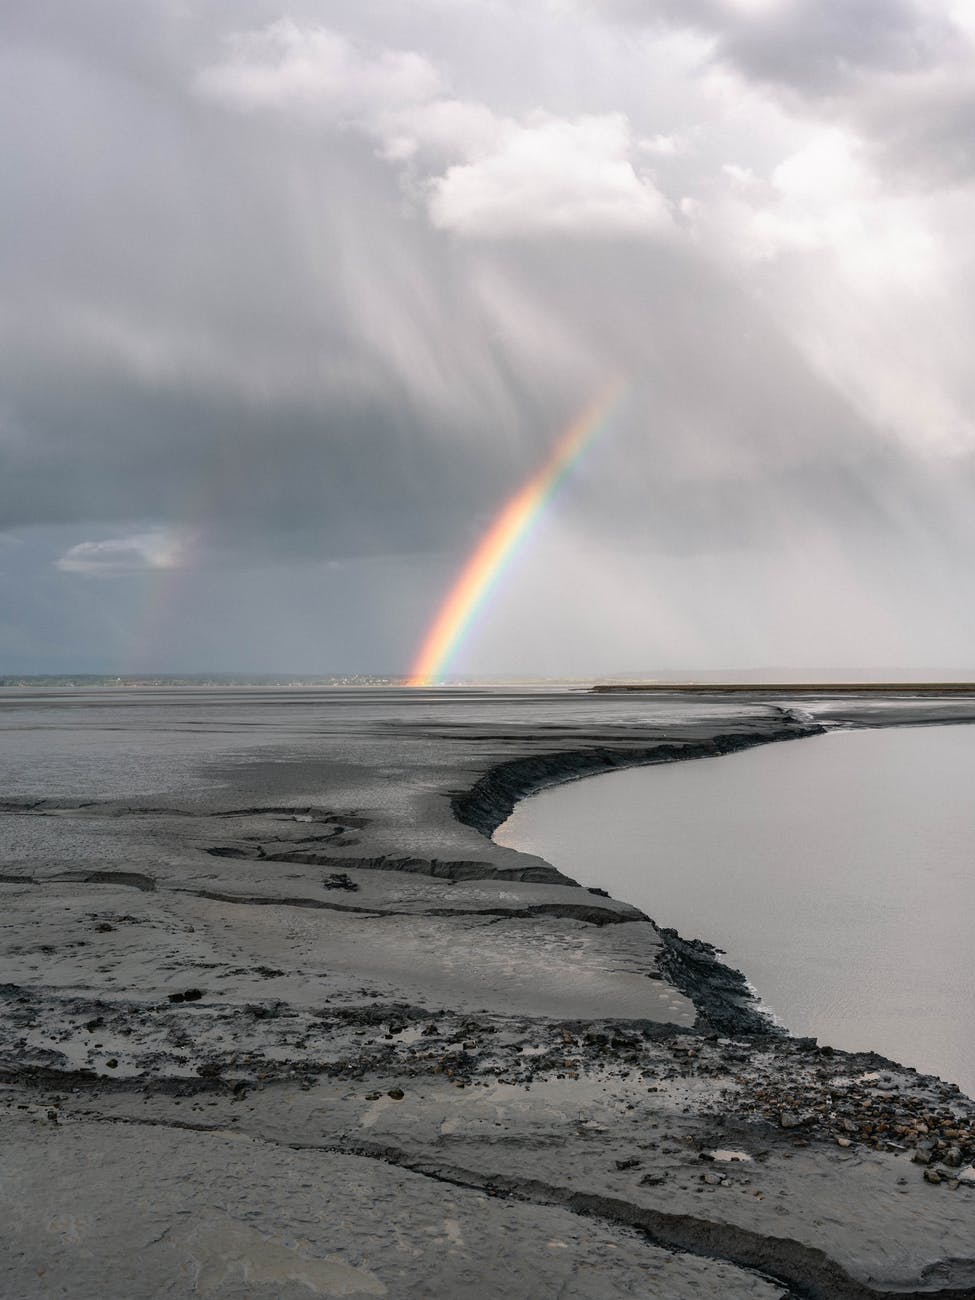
(789,688)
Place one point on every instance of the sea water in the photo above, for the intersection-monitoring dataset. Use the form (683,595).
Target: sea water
(837,872)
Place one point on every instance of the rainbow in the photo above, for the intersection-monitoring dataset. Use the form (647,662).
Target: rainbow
(493,553)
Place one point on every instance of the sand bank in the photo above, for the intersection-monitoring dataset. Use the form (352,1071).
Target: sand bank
(309,1031)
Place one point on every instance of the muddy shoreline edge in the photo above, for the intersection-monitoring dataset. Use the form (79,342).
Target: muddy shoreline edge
(722,994)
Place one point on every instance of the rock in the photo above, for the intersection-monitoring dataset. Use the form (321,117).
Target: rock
(843,1142)
(921,1157)
(932,1176)
(339,880)
(627,1164)
(397,1094)
(188,995)
(789,1119)
(373,1096)
(652,1180)
(111,1063)
(953,1157)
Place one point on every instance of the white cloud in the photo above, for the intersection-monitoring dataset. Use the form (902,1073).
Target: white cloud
(504,177)
(449,128)
(316,73)
(551,174)
(662,146)
(118,556)
(860,277)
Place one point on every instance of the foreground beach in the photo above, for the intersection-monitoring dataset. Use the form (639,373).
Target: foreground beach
(287,1022)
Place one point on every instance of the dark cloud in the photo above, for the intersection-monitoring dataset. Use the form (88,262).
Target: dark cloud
(900,72)
(290,306)
(816,47)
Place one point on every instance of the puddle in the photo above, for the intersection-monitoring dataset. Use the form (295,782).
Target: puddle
(409,1036)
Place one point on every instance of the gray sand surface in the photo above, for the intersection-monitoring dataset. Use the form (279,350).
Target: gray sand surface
(282,1021)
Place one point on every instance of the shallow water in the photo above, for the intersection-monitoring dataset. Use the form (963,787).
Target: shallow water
(838,873)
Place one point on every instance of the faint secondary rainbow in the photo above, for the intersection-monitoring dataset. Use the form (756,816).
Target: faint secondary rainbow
(497,548)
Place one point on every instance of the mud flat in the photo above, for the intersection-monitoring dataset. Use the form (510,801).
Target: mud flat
(281,1019)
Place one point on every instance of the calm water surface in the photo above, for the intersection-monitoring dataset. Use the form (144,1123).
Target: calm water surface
(837,872)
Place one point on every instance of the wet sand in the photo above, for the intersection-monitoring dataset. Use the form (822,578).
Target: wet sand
(299,1027)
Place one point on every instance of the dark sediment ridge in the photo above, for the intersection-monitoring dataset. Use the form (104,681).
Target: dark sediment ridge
(491,800)
(721,994)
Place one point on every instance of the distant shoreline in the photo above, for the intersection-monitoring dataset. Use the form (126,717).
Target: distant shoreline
(787,688)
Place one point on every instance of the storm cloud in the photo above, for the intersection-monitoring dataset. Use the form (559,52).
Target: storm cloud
(292,300)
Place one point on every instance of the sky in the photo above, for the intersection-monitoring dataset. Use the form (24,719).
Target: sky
(292,301)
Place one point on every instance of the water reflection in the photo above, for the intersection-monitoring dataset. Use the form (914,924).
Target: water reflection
(836,872)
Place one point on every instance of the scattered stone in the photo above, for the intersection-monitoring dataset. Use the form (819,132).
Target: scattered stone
(932,1176)
(188,995)
(339,880)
